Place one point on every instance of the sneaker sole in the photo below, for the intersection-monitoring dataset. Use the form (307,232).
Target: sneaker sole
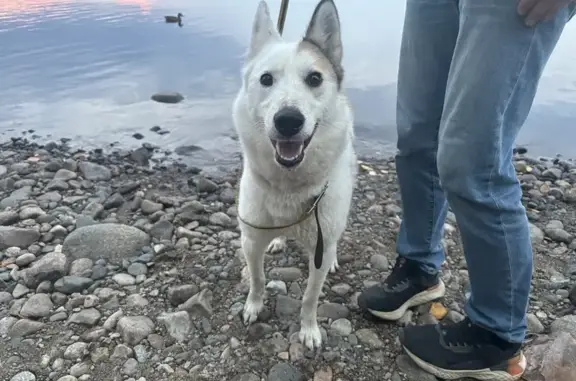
(514,372)
(418,299)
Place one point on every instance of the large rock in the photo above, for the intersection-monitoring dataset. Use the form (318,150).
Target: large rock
(112,242)
(19,237)
(566,324)
(50,267)
(552,360)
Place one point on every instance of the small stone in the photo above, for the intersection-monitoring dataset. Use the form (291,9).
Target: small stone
(285,372)
(200,303)
(341,289)
(534,324)
(369,338)
(25,259)
(179,294)
(25,327)
(559,235)
(89,317)
(75,351)
(536,234)
(134,329)
(72,283)
(130,367)
(137,268)
(277,286)
(31,212)
(333,311)
(324,374)
(287,306)
(178,325)
(220,219)
(37,306)
(438,311)
(379,262)
(50,267)
(19,237)
(19,291)
(341,327)
(81,267)
(150,207)
(94,172)
(124,280)
(203,185)
(24,376)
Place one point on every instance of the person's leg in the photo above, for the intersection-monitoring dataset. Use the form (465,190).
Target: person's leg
(428,40)
(491,87)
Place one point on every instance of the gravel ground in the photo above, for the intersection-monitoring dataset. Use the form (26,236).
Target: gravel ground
(119,267)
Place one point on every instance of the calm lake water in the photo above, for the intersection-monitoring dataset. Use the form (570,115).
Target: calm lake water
(85,70)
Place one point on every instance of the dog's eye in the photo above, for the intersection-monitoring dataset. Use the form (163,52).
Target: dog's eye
(314,79)
(266,80)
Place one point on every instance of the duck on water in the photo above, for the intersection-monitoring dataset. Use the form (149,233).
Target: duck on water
(173,19)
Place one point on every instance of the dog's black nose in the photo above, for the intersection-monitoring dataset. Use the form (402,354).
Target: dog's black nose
(289,121)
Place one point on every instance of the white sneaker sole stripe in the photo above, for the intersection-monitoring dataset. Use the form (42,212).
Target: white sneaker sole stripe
(418,299)
(481,374)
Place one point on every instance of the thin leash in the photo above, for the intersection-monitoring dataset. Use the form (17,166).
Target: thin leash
(282,15)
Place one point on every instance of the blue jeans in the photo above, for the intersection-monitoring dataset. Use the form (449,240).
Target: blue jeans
(469,70)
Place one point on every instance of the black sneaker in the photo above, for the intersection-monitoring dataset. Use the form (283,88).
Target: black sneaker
(461,350)
(406,287)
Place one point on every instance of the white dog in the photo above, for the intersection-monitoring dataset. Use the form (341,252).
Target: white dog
(296,133)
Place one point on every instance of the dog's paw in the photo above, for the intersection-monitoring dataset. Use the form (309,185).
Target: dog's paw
(251,310)
(310,336)
(277,245)
(334,266)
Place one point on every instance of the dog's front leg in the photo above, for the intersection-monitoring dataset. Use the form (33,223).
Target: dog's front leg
(310,334)
(253,248)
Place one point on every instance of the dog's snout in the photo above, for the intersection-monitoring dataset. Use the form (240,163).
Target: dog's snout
(289,121)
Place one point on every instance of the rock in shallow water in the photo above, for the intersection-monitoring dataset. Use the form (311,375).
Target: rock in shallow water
(168,97)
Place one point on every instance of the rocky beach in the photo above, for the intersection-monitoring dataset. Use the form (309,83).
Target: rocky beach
(122,266)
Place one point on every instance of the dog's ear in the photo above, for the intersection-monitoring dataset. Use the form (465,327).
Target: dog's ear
(263,30)
(324,30)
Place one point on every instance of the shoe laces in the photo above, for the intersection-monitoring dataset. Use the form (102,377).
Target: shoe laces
(463,334)
(400,274)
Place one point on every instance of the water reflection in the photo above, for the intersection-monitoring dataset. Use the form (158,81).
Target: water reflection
(86,70)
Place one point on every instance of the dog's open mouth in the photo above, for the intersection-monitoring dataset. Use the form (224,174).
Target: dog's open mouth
(290,153)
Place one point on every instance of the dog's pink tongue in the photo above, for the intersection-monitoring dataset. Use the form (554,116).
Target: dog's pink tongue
(289,150)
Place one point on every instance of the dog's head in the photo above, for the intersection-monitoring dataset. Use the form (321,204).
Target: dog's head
(290,86)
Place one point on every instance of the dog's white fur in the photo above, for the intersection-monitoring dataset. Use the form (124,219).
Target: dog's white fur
(272,195)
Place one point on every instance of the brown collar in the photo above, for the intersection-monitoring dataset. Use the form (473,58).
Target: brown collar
(319,252)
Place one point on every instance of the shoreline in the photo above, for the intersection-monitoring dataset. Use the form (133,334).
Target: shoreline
(113,269)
